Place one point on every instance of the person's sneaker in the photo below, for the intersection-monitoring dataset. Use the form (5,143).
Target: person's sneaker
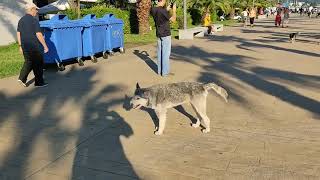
(41,85)
(168,75)
(22,83)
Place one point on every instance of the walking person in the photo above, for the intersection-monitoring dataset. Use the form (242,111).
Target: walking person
(244,14)
(277,21)
(30,40)
(162,20)
(252,15)
(285,21)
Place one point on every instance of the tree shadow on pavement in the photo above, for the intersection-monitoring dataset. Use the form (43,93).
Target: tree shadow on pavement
(41,126)
(254,44)
(257,77)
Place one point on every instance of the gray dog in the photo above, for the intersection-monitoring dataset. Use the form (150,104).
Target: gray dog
(163,96)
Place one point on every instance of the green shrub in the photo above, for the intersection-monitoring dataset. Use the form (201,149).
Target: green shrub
(100,11)
(196,16)
(179,23)
(129,17)
(214,16)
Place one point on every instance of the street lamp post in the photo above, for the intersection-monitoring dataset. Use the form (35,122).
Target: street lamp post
(184,14)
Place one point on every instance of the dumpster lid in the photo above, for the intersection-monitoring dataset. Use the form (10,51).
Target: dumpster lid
(111,19)
(62,21)
(92,19)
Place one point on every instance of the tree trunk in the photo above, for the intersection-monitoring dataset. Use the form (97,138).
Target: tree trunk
(143,13)
(75,5)
(232,12)
(72,4)
(78,8)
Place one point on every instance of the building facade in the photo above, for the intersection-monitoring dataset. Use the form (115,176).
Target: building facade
(10,13)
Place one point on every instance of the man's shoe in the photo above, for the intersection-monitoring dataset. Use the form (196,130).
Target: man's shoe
(168,75)
(22,83)
(41,85)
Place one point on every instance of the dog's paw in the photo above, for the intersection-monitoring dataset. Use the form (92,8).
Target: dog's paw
(197,124)
(158,133)
(156,128)
(205,130)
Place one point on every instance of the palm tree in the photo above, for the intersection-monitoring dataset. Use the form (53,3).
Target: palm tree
(72,4)
(233,5)
(75,4)
(143,13)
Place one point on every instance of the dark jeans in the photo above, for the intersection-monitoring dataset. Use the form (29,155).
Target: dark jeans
(209,29)
(33,60)
(251,20)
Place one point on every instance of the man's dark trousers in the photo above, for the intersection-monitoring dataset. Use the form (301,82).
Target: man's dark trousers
(33,60)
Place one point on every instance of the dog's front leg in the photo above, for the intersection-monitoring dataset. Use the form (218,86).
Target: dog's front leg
(162,116)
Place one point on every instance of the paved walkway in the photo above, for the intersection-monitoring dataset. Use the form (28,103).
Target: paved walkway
(79,127)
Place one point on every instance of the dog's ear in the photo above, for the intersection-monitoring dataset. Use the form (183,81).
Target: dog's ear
(137,86)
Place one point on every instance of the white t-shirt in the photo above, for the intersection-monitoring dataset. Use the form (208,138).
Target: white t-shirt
(245,13)
(310,8)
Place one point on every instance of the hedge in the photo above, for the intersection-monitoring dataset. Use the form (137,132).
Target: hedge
(128,16)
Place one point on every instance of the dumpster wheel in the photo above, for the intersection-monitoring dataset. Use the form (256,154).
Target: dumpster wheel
(111,53)
(80,62)
(105,55)
(122,50)
(61,67)
(94,59)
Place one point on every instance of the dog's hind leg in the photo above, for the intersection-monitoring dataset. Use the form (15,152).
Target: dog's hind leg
(197,124)
(162,116)
(199,103)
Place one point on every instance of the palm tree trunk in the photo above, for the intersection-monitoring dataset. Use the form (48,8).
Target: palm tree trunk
(72,4)
(232,12)
(78,8)
(143,13)
(75,5)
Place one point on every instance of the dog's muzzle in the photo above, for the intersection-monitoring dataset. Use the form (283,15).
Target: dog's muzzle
(135,106)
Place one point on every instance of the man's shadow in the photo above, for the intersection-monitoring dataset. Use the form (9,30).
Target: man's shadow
(143,55)
(103,155)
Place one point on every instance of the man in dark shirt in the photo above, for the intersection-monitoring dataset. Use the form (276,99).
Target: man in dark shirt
(162,20)
(30,40)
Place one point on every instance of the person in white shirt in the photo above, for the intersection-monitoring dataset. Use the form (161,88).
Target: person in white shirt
(245,17)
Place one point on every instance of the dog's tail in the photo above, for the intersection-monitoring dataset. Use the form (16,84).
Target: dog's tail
(219,90)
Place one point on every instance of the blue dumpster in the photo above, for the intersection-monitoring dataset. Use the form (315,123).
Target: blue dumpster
(115,36)
(63,38)
(93,37)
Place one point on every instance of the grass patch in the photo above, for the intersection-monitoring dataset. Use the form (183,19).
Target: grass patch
(228,22)
(133,40)
(11,60)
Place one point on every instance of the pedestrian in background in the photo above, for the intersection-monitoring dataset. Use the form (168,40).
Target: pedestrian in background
(285,21)
(244,14)
(252,16)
